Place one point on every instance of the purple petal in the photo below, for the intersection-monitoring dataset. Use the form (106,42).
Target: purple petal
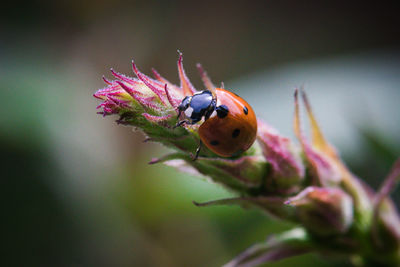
(174,103)
(204,77)
(287,244)
(120,102)
(153,85)
(389,184)
(128,89)
(106,80)
(153,118)
(123,77)
(165,81)
(386,220)
(276,150)
(325,171)
(270,256)
(146,102)
(186,85)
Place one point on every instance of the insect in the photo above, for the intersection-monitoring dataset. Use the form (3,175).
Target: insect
(229,126)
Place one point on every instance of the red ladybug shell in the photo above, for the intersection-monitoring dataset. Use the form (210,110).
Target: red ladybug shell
(234,133)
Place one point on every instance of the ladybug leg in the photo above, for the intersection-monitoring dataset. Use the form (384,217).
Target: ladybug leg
(179,113)
(197,151)
(211,109)
(180,123)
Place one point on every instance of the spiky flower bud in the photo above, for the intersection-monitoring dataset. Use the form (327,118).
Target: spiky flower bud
(151,105)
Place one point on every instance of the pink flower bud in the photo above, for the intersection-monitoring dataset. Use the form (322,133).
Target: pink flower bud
(324,211)
(287,168)
(386,221)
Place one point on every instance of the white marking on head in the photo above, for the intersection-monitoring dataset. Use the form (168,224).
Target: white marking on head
(188,112)
(213,114)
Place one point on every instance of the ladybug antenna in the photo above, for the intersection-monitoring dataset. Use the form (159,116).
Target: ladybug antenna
(214,93)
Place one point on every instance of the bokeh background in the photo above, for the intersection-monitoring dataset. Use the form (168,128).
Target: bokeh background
(76,188)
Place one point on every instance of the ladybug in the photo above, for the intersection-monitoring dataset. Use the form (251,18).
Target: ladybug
(229,126)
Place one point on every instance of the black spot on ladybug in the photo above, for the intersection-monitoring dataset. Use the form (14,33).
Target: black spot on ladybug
(245,110)
(214,143)
(222,111)
(235,133)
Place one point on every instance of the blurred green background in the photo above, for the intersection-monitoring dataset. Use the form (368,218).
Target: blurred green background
(76,187)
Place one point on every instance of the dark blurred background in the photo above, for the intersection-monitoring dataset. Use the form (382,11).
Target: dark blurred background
(76,187)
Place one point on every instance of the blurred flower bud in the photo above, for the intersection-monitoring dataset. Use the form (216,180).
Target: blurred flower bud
(287,244)
(287,168)
(272,205)
(324,211)
(323,168)
(386,231)
(244,174)
(386,222)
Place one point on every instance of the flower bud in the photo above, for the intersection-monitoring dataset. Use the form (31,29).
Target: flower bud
(287,168)
(386,221)
(151,104)
(244,174)
(324,211)
(333,200)
(320,155)
(272,205)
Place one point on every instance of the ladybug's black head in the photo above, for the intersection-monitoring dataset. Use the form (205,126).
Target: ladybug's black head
(197,106)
